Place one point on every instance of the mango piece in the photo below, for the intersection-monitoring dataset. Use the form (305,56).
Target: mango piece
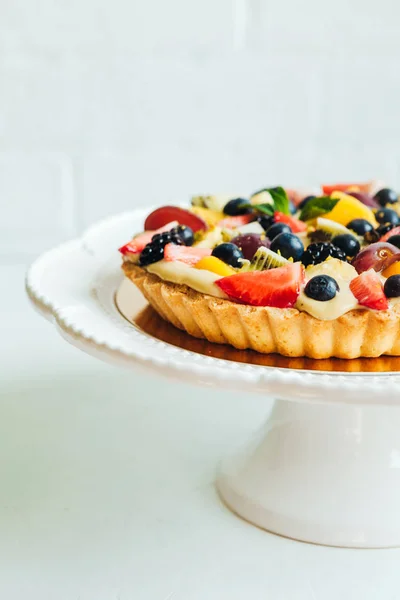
(394,269)
(215,265)
(349,208)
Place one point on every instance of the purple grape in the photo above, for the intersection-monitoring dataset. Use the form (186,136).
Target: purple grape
(249,243)
(365,199)
(377,256)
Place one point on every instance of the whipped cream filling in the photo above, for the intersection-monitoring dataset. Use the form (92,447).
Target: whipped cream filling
(343,302)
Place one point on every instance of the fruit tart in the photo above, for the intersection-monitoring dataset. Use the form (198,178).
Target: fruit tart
(280,271)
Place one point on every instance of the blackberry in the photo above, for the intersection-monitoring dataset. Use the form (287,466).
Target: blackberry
(154,250)
(167,237)
(151,254)
(319,252)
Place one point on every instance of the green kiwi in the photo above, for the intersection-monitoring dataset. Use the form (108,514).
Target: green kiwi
(265,259)
(216,202)
(331,227)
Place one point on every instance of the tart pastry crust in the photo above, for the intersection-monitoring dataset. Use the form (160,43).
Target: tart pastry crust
(287,331)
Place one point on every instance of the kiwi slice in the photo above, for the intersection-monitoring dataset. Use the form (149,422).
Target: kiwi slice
(331,227)
(216,202)
(265,259)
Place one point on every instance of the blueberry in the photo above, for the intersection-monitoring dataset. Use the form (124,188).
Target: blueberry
(321,288)
(276,229)
(229,254)
(348,243)
(305,201)
(186,234)
(387,215)
(237,206)
(386,196)
(395,240)
(360,226)
(292,208)
(392,287)
(384,229)
(266,221)
(288,245)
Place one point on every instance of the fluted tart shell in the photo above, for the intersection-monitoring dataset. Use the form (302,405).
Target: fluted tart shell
(286,331)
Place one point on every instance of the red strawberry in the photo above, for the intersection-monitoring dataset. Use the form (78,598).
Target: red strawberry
(136,245)
(277,287)
(189,255)
(295,224)
(163,215)
(233,222)
(368,290)
(395,231)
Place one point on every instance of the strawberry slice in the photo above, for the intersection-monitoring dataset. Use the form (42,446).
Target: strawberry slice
(190,255)
(277,287)
(165,214)
(136,245)
(368,290)
(234,222)
(395,231)
(295,225)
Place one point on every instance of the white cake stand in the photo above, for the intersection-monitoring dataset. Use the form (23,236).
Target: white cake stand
(326,466)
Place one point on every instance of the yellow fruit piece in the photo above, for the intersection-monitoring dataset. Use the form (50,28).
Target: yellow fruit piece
(210,239)
(215,265)
(394,269)
(349,208)
(334,267)
(211,217)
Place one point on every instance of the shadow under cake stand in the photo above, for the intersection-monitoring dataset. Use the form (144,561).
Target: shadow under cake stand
(325,468)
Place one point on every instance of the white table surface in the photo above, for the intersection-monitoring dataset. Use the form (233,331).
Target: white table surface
(106,486)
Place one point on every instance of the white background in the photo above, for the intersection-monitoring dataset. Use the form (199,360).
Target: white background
(108,105)
(106,478)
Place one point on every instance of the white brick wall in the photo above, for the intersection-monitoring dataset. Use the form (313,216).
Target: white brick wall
(105,106)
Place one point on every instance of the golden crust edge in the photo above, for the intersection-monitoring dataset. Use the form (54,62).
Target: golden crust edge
(289,332)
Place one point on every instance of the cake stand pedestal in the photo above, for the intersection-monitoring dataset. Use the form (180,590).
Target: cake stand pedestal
(323,474)
(326,466)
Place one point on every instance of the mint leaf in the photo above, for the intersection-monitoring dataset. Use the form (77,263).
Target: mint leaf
(317,207)
(280,199)
(265,209)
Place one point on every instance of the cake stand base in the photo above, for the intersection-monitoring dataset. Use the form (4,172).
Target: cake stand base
(326,474)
